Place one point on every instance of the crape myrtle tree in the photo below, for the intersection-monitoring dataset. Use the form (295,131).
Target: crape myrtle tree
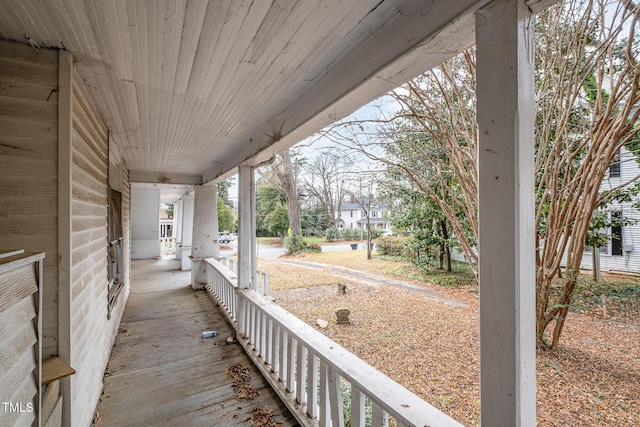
(587,82)
(587,79)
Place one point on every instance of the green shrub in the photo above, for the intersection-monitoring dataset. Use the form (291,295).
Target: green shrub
(332,234)
(347,233)
(394,246)
(376,232)
(294,244)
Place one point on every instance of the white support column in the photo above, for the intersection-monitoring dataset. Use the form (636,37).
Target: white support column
(205,232)
(188,205)
(246,227)
(506,112)
(177,220)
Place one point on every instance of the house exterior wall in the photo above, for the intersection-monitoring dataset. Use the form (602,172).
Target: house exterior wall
(629,261)
(92,333)
(30,215)
(350,213)
(28,165)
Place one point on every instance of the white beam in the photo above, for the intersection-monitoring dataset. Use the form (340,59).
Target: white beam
(205,232)
(505,94)
(187,232)
(65,162)
(246,226)
(205,223)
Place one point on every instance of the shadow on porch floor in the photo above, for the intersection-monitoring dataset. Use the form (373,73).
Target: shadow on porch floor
(162,373)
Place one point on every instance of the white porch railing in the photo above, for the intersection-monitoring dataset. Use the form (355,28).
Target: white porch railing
(168,245)
(307,369)
(262,284)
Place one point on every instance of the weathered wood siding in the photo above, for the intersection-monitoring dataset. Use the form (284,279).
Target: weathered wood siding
(28,165)
(19,351)
(92,334)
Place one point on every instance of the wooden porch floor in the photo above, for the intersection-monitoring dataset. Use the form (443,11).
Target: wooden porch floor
(162,373)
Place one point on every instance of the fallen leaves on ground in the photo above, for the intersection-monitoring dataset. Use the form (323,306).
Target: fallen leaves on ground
(263,417)
(242,380)
(433,349)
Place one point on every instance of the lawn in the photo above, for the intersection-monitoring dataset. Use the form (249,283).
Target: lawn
(432,348)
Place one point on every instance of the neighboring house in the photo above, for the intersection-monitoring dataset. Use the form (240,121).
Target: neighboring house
(622,253)
(353,215)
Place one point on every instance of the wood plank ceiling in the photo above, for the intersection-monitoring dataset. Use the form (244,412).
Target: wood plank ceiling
(189,89)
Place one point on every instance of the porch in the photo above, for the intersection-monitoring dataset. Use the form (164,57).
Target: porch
(161,372)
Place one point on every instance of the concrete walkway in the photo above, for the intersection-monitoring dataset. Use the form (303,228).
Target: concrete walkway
(373,279)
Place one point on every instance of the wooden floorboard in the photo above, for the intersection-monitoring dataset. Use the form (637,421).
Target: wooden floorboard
(163,373)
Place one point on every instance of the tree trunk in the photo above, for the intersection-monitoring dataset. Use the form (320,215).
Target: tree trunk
(368,237)
(285,174)
(596,263)
(445,238)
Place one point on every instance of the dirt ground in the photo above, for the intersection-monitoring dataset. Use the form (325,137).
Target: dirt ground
(432,348)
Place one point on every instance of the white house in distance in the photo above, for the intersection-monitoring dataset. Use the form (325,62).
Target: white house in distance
(353,214)
(621,253)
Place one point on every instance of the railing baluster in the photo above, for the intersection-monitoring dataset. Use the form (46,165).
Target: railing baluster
(263,335)
(379,418)
(335,397)
(357,407)
(275,355)
(252,323)
(325,414)
(268,351)
(283,355)
(312,385)
(234,302)
(241,316)
(291,364)
(301,373)
(265,285)
(258,322)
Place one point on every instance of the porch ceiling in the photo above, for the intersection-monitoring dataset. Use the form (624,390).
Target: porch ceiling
(191,89)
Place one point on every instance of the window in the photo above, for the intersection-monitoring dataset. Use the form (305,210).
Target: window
(614,167)
(115,265)
(616,233)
